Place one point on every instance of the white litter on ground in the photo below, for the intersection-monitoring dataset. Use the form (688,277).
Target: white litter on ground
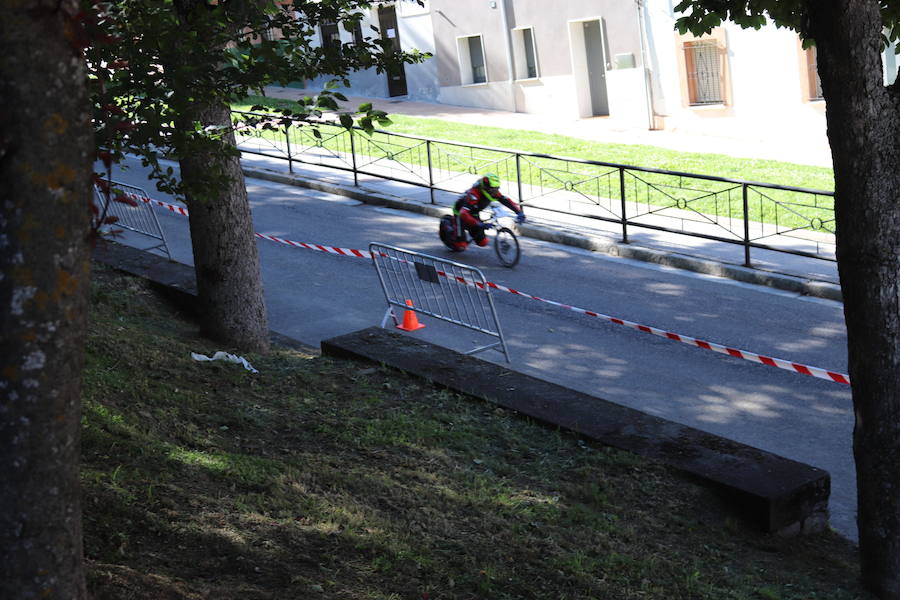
(227,357)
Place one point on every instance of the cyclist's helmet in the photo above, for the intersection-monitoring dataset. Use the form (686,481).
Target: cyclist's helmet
(490,180)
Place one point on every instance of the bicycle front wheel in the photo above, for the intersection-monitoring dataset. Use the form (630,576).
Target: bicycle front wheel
(506,245)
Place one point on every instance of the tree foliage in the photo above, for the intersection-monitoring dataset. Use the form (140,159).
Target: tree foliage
(153,61)
(703,15)
(164,74)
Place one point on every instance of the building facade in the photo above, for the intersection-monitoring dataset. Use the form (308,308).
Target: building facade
(578,58)
(408,25)
(619,60)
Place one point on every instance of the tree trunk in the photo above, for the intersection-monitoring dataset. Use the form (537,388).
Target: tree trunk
(226,259)
(863,130)
(45,166)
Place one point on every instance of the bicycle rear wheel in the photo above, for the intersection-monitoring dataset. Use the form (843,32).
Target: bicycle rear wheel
(506,245)
(445,231)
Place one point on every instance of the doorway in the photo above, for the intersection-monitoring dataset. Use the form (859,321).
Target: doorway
(588,48)
(595,58)
(396,77)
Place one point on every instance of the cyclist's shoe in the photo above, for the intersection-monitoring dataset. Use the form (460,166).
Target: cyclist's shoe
(482,242)
(520,218)
(460,246)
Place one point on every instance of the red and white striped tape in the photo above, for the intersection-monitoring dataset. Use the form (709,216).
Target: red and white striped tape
(779,363)
(735,352)
(319,247)
(170,207)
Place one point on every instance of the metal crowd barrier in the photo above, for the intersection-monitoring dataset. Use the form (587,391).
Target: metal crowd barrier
(438,288)
(139,219)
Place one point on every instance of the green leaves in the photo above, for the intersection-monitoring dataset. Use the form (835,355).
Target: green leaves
(155,61)
(701,16)
(371,117)
(326,102)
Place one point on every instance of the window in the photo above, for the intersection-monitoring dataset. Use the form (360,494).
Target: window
(812,74)
(268,32)
(703,69)
(357,33)
(331,37)
(704,65)
(524,54)
(471,60)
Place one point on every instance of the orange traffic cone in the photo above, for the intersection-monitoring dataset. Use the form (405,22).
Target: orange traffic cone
(410,322)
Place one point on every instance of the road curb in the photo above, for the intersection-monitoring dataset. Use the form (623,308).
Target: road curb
(780,281)
(177,281)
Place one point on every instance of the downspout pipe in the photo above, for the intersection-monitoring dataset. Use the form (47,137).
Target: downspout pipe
(507,35)
(648,82)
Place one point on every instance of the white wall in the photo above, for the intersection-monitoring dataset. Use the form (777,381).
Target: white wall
(766,82)
(661,57)
(627,98)
(493,95)
(417,33)
(568,96)
(547,95)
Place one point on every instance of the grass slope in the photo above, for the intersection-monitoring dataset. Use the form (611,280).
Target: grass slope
(320,478)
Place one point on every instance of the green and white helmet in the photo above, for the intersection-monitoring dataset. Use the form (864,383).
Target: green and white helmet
(490,180)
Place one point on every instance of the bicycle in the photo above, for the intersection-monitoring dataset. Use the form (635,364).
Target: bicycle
(505,241)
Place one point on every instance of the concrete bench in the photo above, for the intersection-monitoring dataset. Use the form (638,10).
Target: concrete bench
(775,493)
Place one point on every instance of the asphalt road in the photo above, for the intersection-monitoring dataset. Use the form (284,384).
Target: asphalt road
(313,296)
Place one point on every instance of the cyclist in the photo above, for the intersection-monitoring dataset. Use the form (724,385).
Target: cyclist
(466,210)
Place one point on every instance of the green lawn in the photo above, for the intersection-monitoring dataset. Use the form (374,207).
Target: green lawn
(332,479)
(547,176)
(767,171)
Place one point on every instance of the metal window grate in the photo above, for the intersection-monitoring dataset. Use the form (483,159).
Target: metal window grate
(704,72)
(815,84)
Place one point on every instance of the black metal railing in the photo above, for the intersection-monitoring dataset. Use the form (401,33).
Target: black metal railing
(766,216)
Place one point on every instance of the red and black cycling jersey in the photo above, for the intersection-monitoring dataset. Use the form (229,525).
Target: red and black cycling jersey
(477,198)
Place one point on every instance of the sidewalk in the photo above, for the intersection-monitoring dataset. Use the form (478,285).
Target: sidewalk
(807,151)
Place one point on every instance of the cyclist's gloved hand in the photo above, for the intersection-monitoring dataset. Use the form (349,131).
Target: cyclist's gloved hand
(520,218)
(487,225)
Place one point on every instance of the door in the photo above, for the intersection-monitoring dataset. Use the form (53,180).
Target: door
(396,77)
(596,67)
